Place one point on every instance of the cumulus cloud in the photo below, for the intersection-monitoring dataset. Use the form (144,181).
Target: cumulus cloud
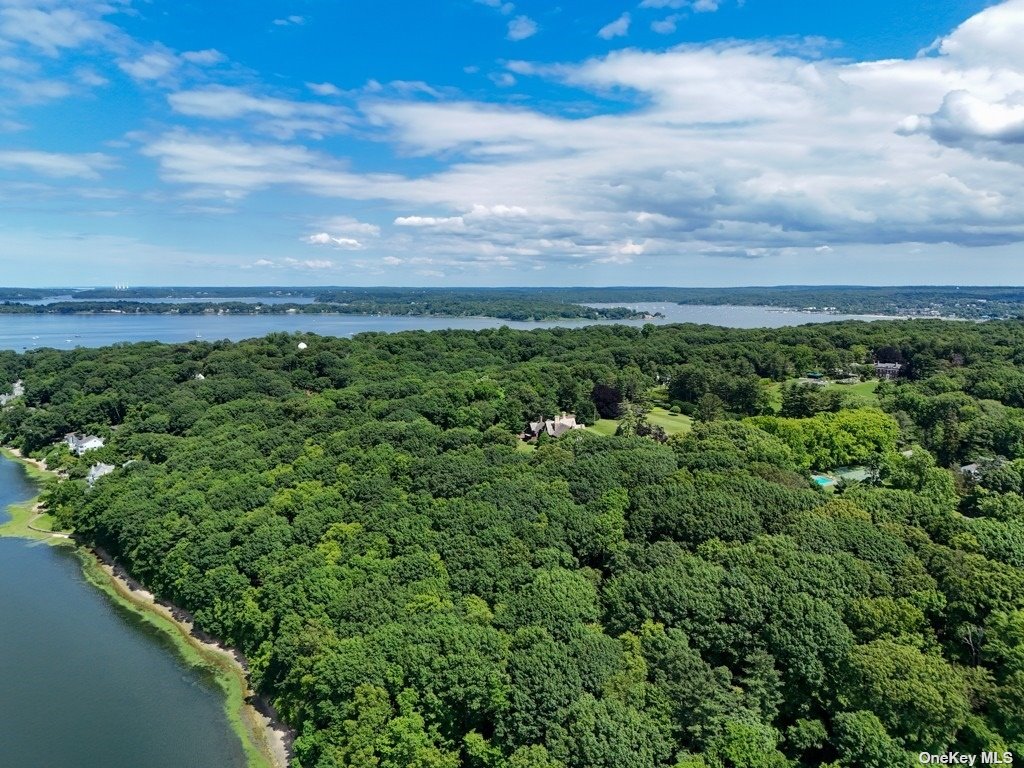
(323,238)
(432,222)
(990,38)
(290,21)
(732,150)
(983,111)
(965,117)
(617,28)
(521,27)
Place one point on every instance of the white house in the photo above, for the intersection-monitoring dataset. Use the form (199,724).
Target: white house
(96,471)
(79,444)
(17,390)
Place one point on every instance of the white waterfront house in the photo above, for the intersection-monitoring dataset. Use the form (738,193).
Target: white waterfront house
(79,444)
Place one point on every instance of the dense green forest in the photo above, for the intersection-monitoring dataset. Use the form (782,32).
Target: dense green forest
(968,302)
(416,588)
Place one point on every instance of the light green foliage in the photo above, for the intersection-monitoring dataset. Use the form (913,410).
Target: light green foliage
(830,440)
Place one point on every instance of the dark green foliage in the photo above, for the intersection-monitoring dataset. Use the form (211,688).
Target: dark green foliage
(412,587)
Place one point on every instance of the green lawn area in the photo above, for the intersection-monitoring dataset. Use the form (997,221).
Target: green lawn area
(860,395)
(605,427)
(672,423)
(865,391)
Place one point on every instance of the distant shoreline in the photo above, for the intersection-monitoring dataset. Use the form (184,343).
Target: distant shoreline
(265,740)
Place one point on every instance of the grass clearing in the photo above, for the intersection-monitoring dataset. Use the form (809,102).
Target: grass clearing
(24,517)
(606,427)
(864,392)
(672,423)
(18,525)
(861,395)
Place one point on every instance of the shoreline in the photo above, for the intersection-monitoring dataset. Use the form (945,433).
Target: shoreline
(266,741)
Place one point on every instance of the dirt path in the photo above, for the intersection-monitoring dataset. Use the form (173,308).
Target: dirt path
(37,512)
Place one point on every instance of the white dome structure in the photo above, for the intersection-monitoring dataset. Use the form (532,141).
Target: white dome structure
(303,345)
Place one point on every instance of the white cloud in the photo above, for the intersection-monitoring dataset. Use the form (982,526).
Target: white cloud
(323,238)
(990,38)
(964,116)
(442,222)
(521,27)
(290,21)
(503,79)
(667,25)
(281,118)
(90,77)
(324,89)
(87,166)
(504,7)
(39,91)
(729,150)
(350,226)
(205,58)
(617,28)
(152,65)
(53,29)
(310,263)
(697,6)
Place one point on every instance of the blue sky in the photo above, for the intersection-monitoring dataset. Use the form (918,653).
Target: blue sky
(494,142)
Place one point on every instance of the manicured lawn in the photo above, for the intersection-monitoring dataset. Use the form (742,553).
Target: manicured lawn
(860,395)
(672,423)
(864,391)
(605,427)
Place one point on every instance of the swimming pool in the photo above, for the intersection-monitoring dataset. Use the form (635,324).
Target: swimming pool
(823,480)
